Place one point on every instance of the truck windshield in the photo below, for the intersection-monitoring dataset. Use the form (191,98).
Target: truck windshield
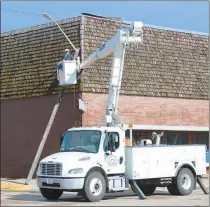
(81,141)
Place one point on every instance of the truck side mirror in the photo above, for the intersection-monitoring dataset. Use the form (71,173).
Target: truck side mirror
(61,138)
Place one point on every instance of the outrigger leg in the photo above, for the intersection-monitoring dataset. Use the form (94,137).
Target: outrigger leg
(137,190)
(200,183)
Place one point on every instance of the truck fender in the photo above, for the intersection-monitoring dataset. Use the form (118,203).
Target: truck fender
(190,167)
(101,170)
(186,165)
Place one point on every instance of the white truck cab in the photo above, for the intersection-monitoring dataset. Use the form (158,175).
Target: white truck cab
(84,150)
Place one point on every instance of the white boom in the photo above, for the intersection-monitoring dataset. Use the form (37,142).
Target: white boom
(124,37)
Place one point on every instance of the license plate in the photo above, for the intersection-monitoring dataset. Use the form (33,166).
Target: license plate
(49,181)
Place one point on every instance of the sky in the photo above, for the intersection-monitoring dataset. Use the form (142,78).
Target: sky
(183,15)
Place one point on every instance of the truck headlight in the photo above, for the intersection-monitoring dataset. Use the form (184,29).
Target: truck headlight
(75,171)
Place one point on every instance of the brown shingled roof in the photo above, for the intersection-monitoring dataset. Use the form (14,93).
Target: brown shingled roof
(29,58)
(168,64)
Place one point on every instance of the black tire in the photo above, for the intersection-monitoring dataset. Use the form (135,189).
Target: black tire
(183,184)
(146,189)
(80,193)
(51,194)
(172,189)
(94,187)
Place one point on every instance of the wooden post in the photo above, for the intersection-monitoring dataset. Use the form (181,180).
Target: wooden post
(44,138)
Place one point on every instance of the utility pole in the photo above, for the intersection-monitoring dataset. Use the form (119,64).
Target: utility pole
(44,138)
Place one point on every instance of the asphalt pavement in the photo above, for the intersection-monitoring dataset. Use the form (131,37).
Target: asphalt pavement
(14,192)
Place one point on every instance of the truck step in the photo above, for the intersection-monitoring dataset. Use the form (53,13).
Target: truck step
(119,189)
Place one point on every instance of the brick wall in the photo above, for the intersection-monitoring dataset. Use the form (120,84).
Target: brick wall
(149,110)
(23,122)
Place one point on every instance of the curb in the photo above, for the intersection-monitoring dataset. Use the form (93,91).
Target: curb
(15,187)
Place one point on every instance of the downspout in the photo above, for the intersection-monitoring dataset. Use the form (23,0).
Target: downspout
(82,26)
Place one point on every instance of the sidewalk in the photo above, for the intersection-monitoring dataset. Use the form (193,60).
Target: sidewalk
(8,184)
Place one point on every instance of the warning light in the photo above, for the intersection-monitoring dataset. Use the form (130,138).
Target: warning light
(130,125)
(127,142)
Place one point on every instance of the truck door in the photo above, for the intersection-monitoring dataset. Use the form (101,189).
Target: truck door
(114,161)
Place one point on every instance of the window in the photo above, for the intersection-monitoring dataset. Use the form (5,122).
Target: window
(137,136)
(81,141)
(170,138)
(163,139)
(201,138)
(177,138)
(107,139)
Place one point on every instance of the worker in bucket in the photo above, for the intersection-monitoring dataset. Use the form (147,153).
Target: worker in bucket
(67,55)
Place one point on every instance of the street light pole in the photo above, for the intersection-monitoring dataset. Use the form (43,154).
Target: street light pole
(45,15)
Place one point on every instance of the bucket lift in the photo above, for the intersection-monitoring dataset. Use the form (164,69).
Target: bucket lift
(67,72)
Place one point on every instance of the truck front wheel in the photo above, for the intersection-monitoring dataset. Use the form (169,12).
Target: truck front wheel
(51,194)
(183,184)
(94,187)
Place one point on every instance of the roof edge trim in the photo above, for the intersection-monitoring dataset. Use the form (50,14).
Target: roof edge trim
(114,19)
(175,29)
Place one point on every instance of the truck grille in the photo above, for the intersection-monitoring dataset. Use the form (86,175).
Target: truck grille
(51,169)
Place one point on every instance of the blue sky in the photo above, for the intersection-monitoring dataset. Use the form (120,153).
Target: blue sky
(192,16)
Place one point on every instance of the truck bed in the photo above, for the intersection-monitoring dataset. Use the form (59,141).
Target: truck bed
(163,160)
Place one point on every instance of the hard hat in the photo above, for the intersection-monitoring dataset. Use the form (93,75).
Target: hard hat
(66,50)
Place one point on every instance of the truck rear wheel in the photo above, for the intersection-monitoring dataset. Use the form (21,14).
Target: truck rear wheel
(183,184)
(51,194)
(95,187)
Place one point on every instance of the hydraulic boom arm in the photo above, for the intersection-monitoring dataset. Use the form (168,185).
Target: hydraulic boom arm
(117,45)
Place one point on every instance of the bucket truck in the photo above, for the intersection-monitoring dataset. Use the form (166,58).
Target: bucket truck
(95,160)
